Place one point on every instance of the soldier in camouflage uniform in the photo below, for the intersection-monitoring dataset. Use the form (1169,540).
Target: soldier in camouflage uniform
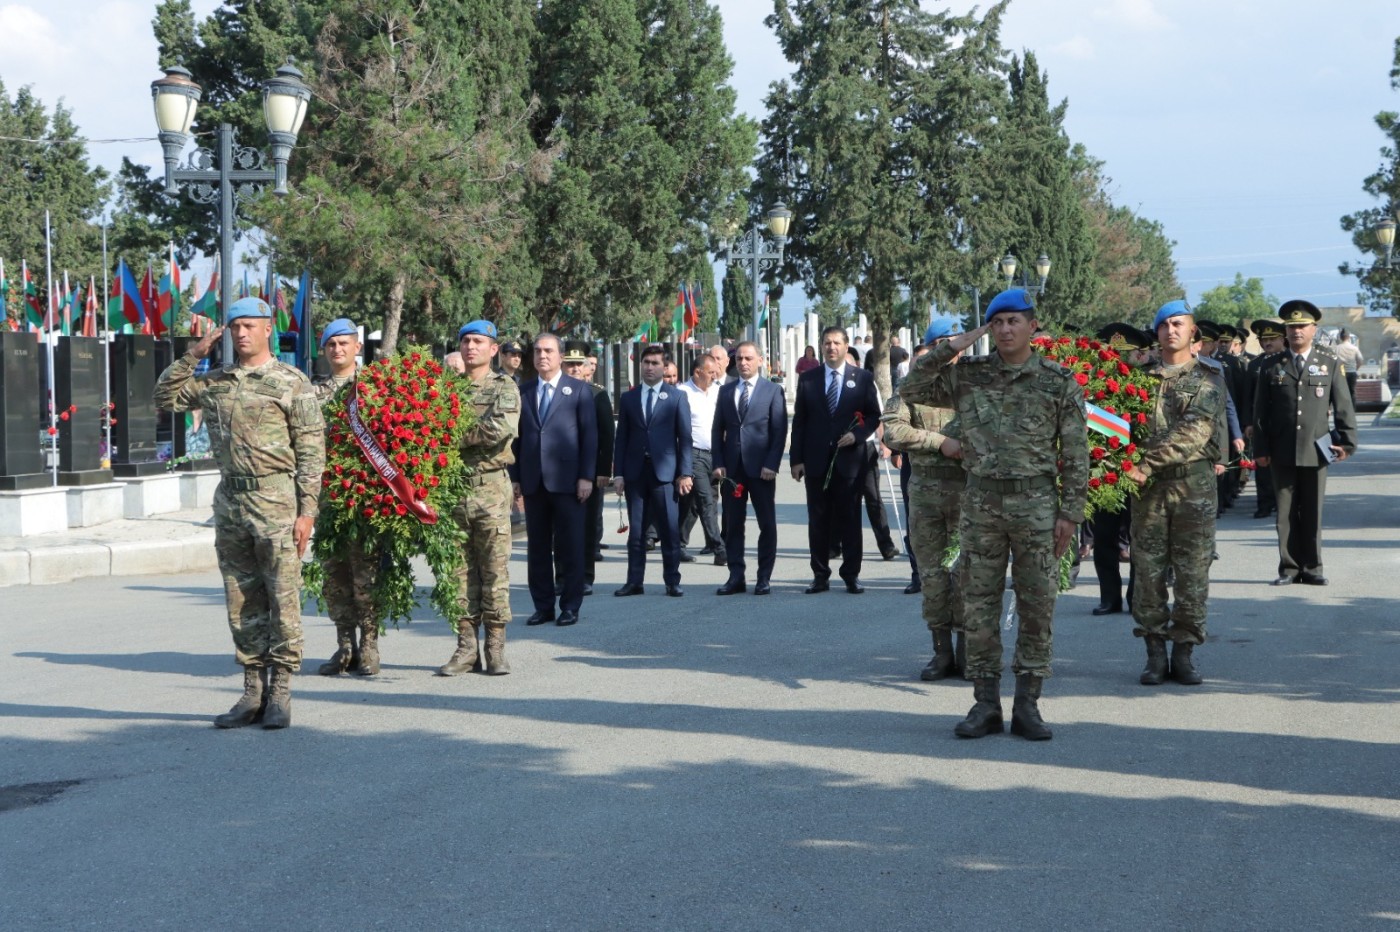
(268,439)
(485,513)
(1174,518)
(1022,434)
(935,496)
(350,577)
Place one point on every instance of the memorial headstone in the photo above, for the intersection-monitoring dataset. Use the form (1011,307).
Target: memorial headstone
(133,392)
(78,391)
(21,463)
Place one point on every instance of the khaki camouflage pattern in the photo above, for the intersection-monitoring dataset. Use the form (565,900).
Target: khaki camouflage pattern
(349,579)
(1014,422)
(935,497)
(484,514)
(264,423)
(329,386)
(1174,518)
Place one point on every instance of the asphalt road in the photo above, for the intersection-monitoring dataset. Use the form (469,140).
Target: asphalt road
(707,763)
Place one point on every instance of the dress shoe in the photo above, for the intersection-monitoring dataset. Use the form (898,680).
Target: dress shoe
(567,618)
(686,558)
(854,587)
(889,553)
(721,560)
(602,546)
(597,556)
(1283,581)
(1265,513)
(652,545)
(914,588)
(540,618)
(762,588)
(732,587)
(1106,608)
(818,585)
(587,588)
(674,592)
(1312,579)
(707,551)
(631,588)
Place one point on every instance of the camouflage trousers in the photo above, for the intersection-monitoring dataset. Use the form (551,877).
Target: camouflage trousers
(484,578)
(262,573)
(1174,532)
(993,526)
(934,510)
(349,587)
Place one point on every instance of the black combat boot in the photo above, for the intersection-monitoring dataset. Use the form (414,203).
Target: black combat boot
(960,652)
(943,665)
(1155,673)
(250,705)
(1183,670)
(279,703)
(466,658)
(496,650)
(369,649)
(1025,710)
(345,656)
(985,717)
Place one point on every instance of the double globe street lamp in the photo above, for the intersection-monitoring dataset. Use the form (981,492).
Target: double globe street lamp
(1042,273)
(752,250)
(241,170)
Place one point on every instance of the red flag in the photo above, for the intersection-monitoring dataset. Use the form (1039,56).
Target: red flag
(90,309)
(148,301)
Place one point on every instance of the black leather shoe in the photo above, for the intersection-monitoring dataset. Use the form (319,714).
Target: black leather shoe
(674,592)
(1312,579)
(567,618)
(1107,609)
(732,587)
(540,618)
(721,560)
(889,554)
(818,585)
(1283,581)
(652,545)
(762,588)
(686,558)
(707,551)
(914,587)
(588,588)
(854,587)
(630,589)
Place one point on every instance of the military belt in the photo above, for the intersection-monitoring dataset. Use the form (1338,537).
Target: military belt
(481,478)
(1183,470)
(942,472)
(240,483)
(1007,486)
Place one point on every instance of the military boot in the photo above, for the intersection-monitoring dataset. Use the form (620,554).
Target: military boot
(1155,673)
(943,665)
(960,653)
(984,717)
(250,705)
(1183,670)
(369,649)
(496,650)
(345,655)
(466,658)
(279,704)
(1025,710)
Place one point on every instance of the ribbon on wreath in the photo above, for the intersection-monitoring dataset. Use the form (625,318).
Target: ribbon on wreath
(393,477)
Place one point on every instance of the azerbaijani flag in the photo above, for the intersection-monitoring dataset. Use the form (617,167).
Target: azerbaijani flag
(1108,424)
(208,306)
(125,308)
(168,296)
(90,309)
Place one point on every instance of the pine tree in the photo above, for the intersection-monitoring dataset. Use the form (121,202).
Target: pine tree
(1375,281)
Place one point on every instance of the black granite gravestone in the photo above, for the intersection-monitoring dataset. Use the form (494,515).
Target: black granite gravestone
(78,391)
(133,392)
(21,464)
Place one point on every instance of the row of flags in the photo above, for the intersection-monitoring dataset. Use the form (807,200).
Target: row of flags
(685,316)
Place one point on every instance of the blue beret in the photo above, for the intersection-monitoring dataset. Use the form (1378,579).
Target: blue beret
(941,328)
(483,327)
(1013,299)
(1172,309)
(248,307)
(339,327)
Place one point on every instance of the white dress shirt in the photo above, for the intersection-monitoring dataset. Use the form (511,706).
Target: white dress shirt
(702,411)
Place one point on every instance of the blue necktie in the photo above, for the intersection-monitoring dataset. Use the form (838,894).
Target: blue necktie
(743,401)
(545,399)
(832,391)
(651,399)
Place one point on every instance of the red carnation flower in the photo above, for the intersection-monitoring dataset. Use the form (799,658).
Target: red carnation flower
(1100,395)
(434,481)
(52,431)
(1126,465)
(400,510)
(1063,341)
(401,459)
(1114,443)
(1110,409)
(1081,378)
(738,490)
(1098,453)
(1130,449)
(63,416)
(386,511)
(1123,369)
(1082,343)
(368,512)
(345,483)
(1112,385)
(1111,478)
(1142,418)
(442,459)
(1094,483)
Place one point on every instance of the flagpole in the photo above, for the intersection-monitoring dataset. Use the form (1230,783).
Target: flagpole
(106,358)
(48,342)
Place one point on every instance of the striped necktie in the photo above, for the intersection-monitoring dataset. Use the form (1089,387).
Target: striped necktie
(743,400)
(833,390)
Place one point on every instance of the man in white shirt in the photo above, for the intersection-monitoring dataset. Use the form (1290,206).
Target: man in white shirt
(702,391)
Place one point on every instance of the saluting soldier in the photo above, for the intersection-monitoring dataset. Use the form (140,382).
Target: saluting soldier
(1296,391)
(1019,414)
(1271,333)
(268,438)
(484,578)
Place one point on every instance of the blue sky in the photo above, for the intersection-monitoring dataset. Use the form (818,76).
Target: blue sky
(1244,127)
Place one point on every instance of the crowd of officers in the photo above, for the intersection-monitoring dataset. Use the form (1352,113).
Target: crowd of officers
(995,472)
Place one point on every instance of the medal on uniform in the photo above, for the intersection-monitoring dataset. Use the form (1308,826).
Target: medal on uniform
(1319,391)
(660,396)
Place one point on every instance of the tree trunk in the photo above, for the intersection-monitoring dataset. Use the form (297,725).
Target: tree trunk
(393,315)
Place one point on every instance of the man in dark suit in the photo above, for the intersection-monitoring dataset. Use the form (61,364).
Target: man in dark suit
(750,431)
(556,456)
(1272,336)
(578,365)
(836,410)
(1296,390)
(652,457)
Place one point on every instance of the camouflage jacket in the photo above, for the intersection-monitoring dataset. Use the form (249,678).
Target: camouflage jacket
(327,387)
(487,445)
(1015,422)
(1187,416)
(264,421)
(919,431)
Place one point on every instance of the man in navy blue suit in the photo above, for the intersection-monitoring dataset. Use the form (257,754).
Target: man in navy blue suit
(750,431)
(836,410)
(652,458)
(555,458)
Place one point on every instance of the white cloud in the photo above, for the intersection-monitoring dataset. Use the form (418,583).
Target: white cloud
(1138,15)
(1079,48)
(31,41)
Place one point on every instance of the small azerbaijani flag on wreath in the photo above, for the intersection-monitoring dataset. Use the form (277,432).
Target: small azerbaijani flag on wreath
(1105,423)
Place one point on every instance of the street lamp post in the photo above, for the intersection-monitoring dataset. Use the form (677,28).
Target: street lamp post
(241,170)
(752,249)
(1042,272)
(1385,235)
